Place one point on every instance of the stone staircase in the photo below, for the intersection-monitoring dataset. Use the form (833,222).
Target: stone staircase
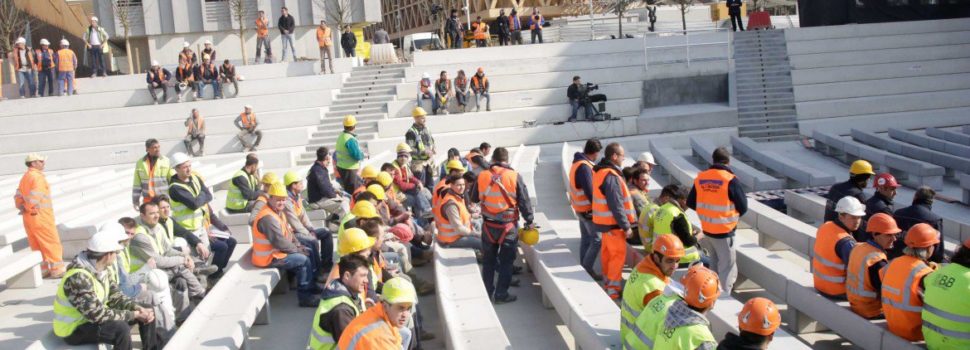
(365,94)
(766,100)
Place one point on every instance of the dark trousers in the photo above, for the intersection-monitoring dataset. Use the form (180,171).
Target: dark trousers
(736,22)
(516,37)
(313,256)
(498,258)
(426,175)
(503,39)
(349,179)
(455,40)
(589,244)
(536,33)
(97,61)
(349,52)
(153,86)
(115,333)
(326,248)
(221,251)
(576,105)
(45,79)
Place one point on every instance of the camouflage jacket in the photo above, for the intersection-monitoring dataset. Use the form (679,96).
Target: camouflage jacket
(80,292)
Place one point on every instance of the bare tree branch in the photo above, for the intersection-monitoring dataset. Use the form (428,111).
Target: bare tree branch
(122,10)
(13,23)
(239,13)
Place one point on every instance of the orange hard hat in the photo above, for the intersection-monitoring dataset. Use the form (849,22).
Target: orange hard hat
(480,70)
(922,236)
(759,316)
(883,224)
(966,243)
(669,245)
(701,287)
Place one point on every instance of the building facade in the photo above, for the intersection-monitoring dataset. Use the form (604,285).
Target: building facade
(404,17)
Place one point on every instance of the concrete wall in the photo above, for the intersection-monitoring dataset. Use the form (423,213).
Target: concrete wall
(685,90)
(165,48)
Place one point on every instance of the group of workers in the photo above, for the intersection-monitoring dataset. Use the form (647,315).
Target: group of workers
(441,91)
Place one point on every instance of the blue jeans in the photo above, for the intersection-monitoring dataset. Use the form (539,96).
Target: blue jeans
(466,242)
(200,85)
(326,248)
(25,80)
(575,104)
(589,244)
(97,61)
(313,258)
(287,41)
(221,251)
(300,265)
(68,78)
(498,258)
(45,81)
(418,203)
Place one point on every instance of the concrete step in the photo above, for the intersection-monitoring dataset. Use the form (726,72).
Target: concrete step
(332,136)
(766,107)
(311,147)
(337,123)
(889,86)
(781,111)
(754,118)
(372,77)
(383,88)
(375,82)
(751,67)
(373,92)
(360,100)
(382,67)
(357,107)
(760,82)
(781,133)
(758,89)
(772,96)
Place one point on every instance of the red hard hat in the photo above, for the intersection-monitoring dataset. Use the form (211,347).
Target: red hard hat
(885,180)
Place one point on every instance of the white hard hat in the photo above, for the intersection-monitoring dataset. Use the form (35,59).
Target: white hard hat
(155,63)
(105,241)
(248,106)
(185,44)
(93,18)
(425,75)
(64,42)
(45,42)
(850,205)
(647,157)
(208,42)
(21,40)
(179,158)
(115,229)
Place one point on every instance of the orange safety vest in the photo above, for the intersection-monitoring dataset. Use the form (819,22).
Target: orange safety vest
(479,83)
(248,120)
(353,196)
(434,193)
(447,231)
(863,296)
(472,166)
(535,23)
(263,250)
(494,201)
(262,28)
(39,55)
(372,330)
(828,269)
(481,28)
(601,210)
(27,54)
(902,300)
(714,206)
(324,37)
(577,198)
(65,60)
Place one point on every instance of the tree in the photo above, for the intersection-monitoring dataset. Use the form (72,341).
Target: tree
(239,13)
(122,10)
(682,5)
(619,7)
(338,12)
(13,23)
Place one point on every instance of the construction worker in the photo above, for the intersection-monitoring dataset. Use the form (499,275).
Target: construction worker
(152,173)
(902,283)
(164,218)
(648,279)
(274,245)
(475,159)
(417,197)
(503,196)
(882,200)
(342,301)
(89,308)
(946,309)
(24,64)
(66,66)
(349,155)
(859,173)
(454,167)
(452,219)
(244,187)
(920,212)
(863,283)
(318,240)
(382,327)
(670,218)
(684,325)
(453,154)
(363,210)
(580,198)
(33,200)
(190,197)
(320,191)
(419,138)
(246,123)
(757,323)
(148,286)
(833,246)
(367,174)
(613,215)
(719,200)
(265,182)
(46,62)
(698,287)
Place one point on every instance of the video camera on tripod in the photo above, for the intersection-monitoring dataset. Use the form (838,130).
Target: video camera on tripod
(590,99)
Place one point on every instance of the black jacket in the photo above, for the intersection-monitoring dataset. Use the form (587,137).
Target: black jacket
(735,194)
(151,77)
(839,191)
(348,41)
(340,316)
(286,24)
(736,342)
(574,91)
(318,184)
(918,213)
(210,72)
(734,7)
(453,25)
(501,25)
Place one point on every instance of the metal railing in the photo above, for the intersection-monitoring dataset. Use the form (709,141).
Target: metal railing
(687,44)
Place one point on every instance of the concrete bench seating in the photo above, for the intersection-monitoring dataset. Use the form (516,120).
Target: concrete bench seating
(53,342)
(806,207)
(882,86)
(951,136)
(865,30)
(469,319)
(888,55)
(674,165)
(20,269)
(949,162)
(965,186)
(907,170)
(822,75)
(965,129)
(797,174)
(930,142)
(752,179)
(223,319)
(882,104)
(879,42)
(880,122)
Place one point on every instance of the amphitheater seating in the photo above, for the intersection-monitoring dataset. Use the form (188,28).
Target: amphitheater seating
(908,171)
(798,174)
(806,207)
(467,314)
(951,136)
(965,187)
(949,162)
(674,165)
(752,179)
(935,144)
(20,269)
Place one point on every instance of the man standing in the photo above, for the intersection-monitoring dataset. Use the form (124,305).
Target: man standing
(480,28)
(274,245)
(23,63)
(734,10)
(287,24)
(833,247)
(580,197)
(46,61)
(96,41)
(152,173)
(418,137)
(320,191)
(158,78)
(262,37)
(33,200)
(515,27)
(480,88)
(246,123)
(535,25)
(207,74)
(340,303)
(325,41)
(194,132)
(381,36)
(503,196)
(348,41)
(244,188)
(349,156)
(502,26)
(453,29)
(66,65)
(720,201)
(613,216)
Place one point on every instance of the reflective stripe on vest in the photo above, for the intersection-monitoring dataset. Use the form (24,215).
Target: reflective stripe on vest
(320,339)
(234,198)
(447,230)
(187,218)
(160,242)
(495,205)
(152,180)
(640,284)
(418,153)
(577,197)
(946,308)
(344,160)
(901,302)
(263,250)
(863,298)
(685,337)
(651,319)
(65,60)
(827,268)
(602,215)
(714,206)
(369,331)
(663,221)
(66,317)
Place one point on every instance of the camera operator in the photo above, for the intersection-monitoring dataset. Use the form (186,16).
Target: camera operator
(578,94)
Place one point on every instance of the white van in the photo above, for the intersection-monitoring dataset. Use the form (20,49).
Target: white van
(417,41)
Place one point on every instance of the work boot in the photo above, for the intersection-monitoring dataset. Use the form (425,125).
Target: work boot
(516,270)
(422,286)
(310,302)
(426,336)
(206,270)
(507,299)
(515,282)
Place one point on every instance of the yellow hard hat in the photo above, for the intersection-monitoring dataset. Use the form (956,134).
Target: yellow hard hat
(368,172)
(403,147)
(377,191)
(418,112)
(454,164)
(364,210)
(384,178)
(350,120)
(269,178)
(529,236)
(353,240)
(277,190)
(861,167)
(398,291)
(291,177)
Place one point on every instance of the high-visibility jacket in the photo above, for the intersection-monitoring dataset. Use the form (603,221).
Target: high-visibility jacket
(863,296)
(234,198)
(66,60)
(828,269)
(123,262)
(263,251)
(684,337)
(186,217)
(946,308)
(435,197)
(577,198)
(645,279)
(262,27)
(901,300)
(41,55)
(320,339)
(419,150)
(641,336)
(377,266)
(151,180)
(479,83)
(343,223)
(447,230)
(601,210)
(469,158)
(536,24)
(344,160)
(248,119)
(714,207)
(498,205)
(66,317)
(324,37)
(29,55)
(161,242)
(372,330)
(33,196)
(662,225)
(481,31)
